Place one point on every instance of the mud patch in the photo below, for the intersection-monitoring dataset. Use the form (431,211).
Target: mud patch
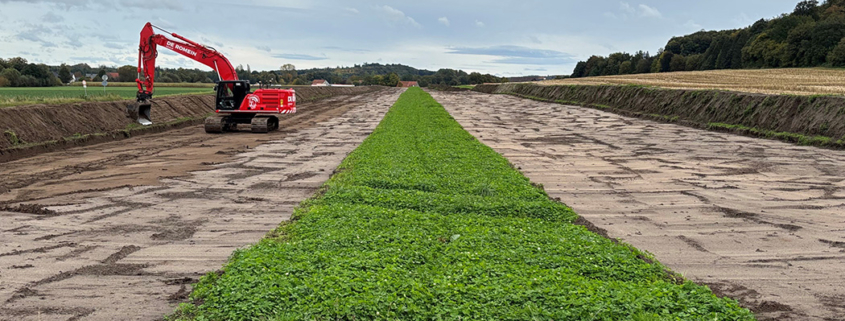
(751,217)
(747,298)
(693,243)
(175,229)
(249,172)
(230,152)
(592,227)
(122,254)
(20,267)
(181,295)
(177,234)
(300,176)
(30,209)
(76,253)
(23,293)
(836,303)
(840,245)
(184,195)
(42,249)
(265,185)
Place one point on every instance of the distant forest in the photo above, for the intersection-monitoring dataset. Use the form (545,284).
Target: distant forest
(812,35)
(18,72)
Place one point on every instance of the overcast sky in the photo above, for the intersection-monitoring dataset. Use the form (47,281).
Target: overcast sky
(501,37)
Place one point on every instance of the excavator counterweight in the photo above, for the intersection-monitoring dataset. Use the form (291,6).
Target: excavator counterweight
(234,102)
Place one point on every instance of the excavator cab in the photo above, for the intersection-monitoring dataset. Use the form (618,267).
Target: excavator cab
(230,94)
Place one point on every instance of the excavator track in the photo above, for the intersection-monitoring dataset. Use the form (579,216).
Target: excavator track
(216,124)
(264,124)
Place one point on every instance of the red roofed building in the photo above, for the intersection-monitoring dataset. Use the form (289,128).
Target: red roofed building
(320,83)
(113,76)
(408,84)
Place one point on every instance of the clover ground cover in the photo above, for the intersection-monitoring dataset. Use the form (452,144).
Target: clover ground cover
(424,222)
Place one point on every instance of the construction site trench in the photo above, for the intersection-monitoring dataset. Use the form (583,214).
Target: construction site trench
(121,229)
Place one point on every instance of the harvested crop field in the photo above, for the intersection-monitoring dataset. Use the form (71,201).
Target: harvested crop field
(795,81)
(73,94)
(757,220)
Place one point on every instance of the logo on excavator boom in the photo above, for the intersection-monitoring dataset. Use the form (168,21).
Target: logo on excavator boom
(173,46)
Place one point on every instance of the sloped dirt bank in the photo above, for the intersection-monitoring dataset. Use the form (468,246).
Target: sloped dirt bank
(806,120)
(34,129)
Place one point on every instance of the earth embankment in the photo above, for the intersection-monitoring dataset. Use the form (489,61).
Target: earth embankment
(807,120)
(33,129)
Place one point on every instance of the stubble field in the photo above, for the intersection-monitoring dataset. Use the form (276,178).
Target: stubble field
(792,81)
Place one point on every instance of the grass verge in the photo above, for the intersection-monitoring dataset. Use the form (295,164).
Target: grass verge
(423,222)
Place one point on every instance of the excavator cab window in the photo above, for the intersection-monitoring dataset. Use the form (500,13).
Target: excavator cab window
(230,94)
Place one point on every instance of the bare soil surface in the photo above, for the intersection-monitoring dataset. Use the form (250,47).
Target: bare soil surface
(757,220)
(119,231)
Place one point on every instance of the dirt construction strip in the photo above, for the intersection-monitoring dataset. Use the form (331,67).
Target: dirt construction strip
(119,231)
(757,220)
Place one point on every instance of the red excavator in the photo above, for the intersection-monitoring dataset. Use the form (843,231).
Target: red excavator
(234,104)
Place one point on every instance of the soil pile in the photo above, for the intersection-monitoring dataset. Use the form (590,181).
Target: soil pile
(32,129)
(791,118)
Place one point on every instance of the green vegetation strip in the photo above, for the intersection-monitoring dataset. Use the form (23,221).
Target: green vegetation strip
(423,222)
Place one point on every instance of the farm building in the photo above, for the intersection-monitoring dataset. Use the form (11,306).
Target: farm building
(113,76)
(407,84)
(320,83)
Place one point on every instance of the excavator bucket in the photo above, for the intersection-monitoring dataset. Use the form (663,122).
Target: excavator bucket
(140,112)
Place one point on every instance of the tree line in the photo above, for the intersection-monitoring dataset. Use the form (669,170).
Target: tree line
(366,74)
(813,35)
(18,72)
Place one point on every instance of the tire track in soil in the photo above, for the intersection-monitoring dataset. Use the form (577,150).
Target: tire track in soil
(120,230)
(757,220)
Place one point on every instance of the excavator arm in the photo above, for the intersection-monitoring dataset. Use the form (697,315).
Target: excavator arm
(147,54)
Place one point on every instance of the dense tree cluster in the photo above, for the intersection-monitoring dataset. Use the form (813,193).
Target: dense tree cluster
(17,72)
(812,35)
(378,74)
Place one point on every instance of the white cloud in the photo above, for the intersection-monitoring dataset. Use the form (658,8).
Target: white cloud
(649,12)
(352,10)
(479,24)
(290,4)
(693,26)
(627,11)
(444,21)
(625,7)
(742,20)
(397,16)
